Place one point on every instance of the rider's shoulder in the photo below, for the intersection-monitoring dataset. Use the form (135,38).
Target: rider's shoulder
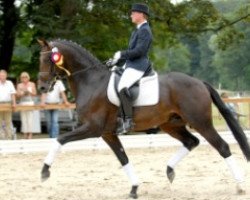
(145,30)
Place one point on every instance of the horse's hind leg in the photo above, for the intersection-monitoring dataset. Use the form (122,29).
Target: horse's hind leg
(212,136)
(188,140)
(115,144)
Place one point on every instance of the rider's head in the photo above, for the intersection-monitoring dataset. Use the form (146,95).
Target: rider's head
(139,13)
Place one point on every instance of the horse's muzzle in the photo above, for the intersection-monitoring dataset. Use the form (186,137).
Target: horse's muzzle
(43,87)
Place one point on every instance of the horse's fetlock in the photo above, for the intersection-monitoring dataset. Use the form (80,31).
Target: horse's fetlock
(191,144)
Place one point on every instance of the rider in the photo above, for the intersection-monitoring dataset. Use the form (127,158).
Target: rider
(137,62)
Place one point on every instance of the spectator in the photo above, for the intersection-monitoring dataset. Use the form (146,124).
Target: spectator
(53,97)
(26,90)
(7,96)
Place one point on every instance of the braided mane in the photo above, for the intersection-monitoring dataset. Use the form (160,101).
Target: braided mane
(80,51)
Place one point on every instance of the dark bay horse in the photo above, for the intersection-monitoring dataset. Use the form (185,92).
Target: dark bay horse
(183,101)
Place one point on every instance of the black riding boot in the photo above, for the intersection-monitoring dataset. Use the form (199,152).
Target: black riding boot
(127,109)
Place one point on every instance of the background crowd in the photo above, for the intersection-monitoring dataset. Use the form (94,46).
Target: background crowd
(25,93)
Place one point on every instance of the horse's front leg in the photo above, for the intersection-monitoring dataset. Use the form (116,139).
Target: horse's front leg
(81,132)
(115,144)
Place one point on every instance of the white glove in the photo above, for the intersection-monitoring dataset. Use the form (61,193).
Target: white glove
(116,57)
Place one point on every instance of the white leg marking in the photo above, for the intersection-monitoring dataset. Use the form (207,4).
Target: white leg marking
(174,160)
(235,170)
(237,173)
(129,170)
(52,153)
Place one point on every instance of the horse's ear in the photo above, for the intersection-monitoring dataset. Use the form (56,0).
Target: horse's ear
(43,43)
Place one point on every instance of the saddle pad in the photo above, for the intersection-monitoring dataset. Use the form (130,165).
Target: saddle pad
(148,91)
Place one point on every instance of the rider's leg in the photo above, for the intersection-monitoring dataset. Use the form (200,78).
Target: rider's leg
(129,77)
(127,109)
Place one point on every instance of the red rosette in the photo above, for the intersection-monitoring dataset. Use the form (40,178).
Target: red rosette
(56,57)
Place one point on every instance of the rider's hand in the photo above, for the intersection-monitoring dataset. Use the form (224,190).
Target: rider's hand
(109,63)
(112,61)
(116,57)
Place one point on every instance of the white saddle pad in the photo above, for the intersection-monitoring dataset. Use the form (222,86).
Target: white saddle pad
(148,91)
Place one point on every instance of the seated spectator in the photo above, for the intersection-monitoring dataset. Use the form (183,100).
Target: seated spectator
(53,97)
(26,90)
(8,97)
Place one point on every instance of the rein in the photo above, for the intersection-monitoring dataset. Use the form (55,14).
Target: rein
(74,73)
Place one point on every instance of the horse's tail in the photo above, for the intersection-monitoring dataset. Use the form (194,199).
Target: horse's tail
(231,121)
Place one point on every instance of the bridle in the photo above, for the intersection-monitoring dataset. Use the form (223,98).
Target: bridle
(52,73)
(56,60)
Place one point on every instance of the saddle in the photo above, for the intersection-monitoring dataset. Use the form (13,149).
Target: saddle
(133,91)
(144,92)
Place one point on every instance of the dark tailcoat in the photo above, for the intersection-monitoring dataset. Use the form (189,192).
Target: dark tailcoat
(136,55)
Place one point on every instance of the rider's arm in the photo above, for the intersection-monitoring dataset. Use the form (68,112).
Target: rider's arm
(142,45)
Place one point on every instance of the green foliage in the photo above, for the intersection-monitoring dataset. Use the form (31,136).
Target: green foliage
(178,59)
(234,62)
(206,39)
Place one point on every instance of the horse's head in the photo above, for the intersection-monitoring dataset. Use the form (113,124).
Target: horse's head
(62,58)
(51,66)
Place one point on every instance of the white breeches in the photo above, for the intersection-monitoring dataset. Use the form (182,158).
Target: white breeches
(129,77)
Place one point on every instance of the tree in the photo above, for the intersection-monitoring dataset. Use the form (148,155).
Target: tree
(234,62)
(103,27)
(8,26)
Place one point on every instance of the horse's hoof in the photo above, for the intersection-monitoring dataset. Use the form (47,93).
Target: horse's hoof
(241,189)
(133,192)
(170,174)
(45,174)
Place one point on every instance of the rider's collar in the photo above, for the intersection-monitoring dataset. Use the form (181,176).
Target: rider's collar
(139,25)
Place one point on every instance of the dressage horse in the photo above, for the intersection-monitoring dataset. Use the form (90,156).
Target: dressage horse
(183,101)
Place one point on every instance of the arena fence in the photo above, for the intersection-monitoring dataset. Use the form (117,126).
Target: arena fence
(242,104)
(128,141)
(242,111)
(7,107)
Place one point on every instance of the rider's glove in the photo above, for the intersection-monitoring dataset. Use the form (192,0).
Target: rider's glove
(109,63)
(116,57)
(112,61)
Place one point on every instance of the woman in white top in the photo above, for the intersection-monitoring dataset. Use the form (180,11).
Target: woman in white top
(25,91)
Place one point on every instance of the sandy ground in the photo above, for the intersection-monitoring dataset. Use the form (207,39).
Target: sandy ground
(97,175)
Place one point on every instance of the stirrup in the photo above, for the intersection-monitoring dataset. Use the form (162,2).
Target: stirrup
(125,126)
(119,129)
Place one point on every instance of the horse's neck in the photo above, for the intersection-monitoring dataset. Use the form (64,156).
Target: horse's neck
(88,83)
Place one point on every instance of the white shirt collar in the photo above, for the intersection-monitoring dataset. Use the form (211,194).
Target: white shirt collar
(139,25)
